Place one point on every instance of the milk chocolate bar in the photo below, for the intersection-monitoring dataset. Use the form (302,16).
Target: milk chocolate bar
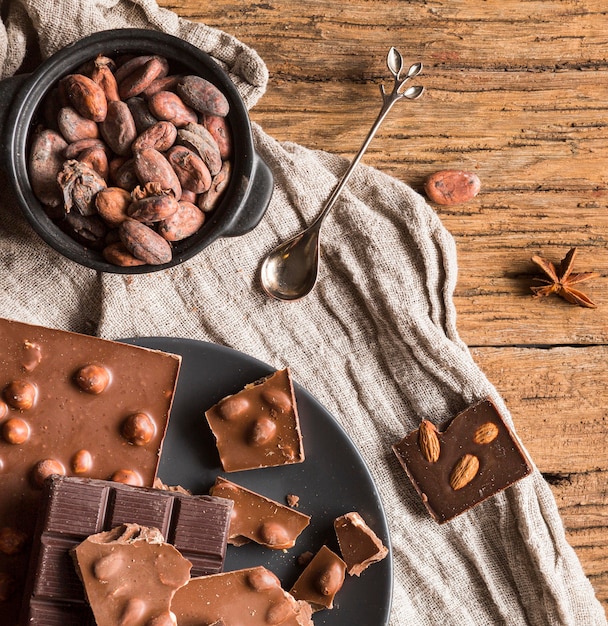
(321,580)
(252,596)
(74,405)
(359,544)
(259,519)
(130,575)
(473,458)
(72,509)
(258,426)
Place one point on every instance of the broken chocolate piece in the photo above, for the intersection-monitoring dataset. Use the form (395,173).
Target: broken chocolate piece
(321,579)
(260,519)
(74,508)
(54,425)
(258,426)
(359,544)
(479,457)
(130,575)
(253,596)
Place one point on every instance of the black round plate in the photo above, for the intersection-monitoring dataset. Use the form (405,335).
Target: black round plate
(333,479)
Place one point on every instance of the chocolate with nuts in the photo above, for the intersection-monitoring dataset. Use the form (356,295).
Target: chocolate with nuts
(259,425)
(259,519)
(67,397)
(473,458)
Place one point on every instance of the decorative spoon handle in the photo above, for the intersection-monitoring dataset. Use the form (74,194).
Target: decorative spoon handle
(394,61)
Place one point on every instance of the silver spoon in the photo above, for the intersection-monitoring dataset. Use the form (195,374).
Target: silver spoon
(290,271)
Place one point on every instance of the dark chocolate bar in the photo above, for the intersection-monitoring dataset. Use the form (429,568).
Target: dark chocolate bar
(473,458)
(72,509)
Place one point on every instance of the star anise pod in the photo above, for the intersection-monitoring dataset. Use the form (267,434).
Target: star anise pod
(562,281)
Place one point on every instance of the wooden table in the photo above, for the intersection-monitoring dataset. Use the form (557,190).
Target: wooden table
(516,92)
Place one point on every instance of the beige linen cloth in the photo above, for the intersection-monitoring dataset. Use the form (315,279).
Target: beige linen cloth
(376,342)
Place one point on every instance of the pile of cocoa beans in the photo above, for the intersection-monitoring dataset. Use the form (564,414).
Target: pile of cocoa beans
(129,157)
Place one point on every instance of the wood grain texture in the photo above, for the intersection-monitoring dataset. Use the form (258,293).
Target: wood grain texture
(516,92)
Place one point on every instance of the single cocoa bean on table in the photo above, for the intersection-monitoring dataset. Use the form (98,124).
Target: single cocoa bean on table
(450,187)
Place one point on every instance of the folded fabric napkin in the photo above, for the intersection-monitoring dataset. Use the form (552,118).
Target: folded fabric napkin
(376,342)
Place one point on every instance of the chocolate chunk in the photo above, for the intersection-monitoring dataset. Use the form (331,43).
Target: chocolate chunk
(258,426)
(259,519)
(69,394)
(321,579)
(359,544)
(130,575)
(478,457)
(255,593)
(72,509)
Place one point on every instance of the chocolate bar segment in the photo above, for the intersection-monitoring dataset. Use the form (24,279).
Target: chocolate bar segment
(73,509)
(259,425)
(66,402)
(252,596)
(259,519)
(130,575)
(473,458)
(359,544)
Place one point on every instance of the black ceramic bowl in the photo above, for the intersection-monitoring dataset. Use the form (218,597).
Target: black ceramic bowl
(244,201)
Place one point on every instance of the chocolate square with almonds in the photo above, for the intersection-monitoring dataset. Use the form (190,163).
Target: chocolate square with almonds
(473,458)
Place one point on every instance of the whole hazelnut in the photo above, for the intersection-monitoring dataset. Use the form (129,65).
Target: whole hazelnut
(233,407)
(16,430)
(127,477)
(138,429)
(20,394)
(277,399)
(45,468)
(92,378)
(82,462)
(262,431)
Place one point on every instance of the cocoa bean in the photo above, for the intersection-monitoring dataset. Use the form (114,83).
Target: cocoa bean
(203,96)
(74,126)
(198,139)
(219,130)
(153,208)
(150,165)
(140,78)
(183,223)
(144,243)
(89,230)
(188,196)
(97,159)
(210,199)
(45,162)
(161,137)
(102,74)
(192,172)
(125,176)
(86,96)
(450,187)
(166,105)
(75,148)
(79,184)
(117,254)
(127,65)
(166,83)
(118,128)
(112,204)
(141,114)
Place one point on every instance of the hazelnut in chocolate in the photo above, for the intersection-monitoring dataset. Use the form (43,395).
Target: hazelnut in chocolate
(65,400)
(251,596)
(258,426)
(359,544)
(130,575)
(321,580)
(473,458)
(259,519)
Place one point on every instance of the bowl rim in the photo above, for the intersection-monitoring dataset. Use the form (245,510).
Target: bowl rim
(19,126)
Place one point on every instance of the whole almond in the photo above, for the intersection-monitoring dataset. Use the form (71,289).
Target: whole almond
(464,471)
(486,433)
(428,441)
